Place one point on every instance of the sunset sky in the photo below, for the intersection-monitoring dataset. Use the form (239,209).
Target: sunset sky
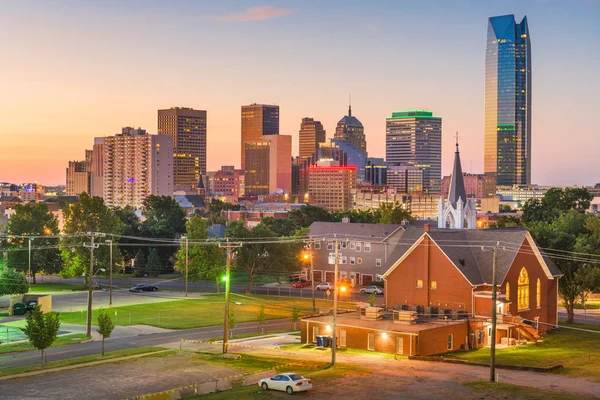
(74,70)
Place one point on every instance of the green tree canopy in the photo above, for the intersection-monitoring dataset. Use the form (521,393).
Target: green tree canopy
(33,220)
(105,326)
(12,282)
(280,226)
(306,215)
(140,265)
(392,213)
(130,226)
(154,267)
(555,203)
(88,214)
(41,330)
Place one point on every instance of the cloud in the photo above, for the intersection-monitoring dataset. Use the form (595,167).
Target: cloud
(256,14)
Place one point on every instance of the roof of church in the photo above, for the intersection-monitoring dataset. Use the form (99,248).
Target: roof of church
(457,183)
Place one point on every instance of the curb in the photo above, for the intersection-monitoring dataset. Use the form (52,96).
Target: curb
(480,364)
(76,366)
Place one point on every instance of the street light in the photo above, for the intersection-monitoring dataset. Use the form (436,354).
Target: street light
(110,268)
(308,257)
(186,266)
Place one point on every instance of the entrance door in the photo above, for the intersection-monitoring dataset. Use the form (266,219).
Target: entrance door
(400,345)
(342,338)
(318,276)
(367,279)
(371,342)
(330,276)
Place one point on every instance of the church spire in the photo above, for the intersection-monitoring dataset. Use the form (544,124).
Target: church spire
(457,183)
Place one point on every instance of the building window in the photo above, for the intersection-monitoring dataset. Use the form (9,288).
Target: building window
(419,283)
(433,285)
(343,260)
(378,262)
(378,278)
(371,342)
(329,245)
(317,245)
(507,291)
(367,247)
(358,246)
(344,245)
(450,342)
(352,245)
(538,294)
(523,290)
(352,260)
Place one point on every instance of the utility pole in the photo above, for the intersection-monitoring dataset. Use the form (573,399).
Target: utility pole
(30,239)
(494,317)
(92,246)
(110,266)
(335,298)
(228,246)
(312,278)
(186,266)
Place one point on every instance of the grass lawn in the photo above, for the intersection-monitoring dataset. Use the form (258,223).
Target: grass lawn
(258,336)
(206,311)
(26,346)
(80,360)
(508,391)
(54,287)
(320,373)
(577,351)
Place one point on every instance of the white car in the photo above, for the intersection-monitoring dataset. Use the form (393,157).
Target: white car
(372,289)
(324,286)
(288,382)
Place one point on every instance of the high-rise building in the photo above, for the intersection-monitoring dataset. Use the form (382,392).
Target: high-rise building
(351,129)
(228,182)
(479,186)
(79,176)
(406,179)
(268,165)
(136,165)
(187,127)
(507,140)
(376,171)
(258,120)
(330,185)
(414,137)
(97,178)
(311,134)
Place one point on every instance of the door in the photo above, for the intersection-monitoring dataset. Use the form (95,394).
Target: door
(318,276)
(342,338)
(330,276)
(400,345)
(371,342)
(367,279)
(283,382)
(274,382)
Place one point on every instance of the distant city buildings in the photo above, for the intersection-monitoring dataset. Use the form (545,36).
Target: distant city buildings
(405,179)
(507,137)
(349,128)
(330,185)
(414,137)
(476,185)
(187,128)
(258,120)
(136,165)
(268,165)
(310,135)
(227,183)
(79,176)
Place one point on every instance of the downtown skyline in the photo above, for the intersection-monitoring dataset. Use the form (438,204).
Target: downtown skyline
(71,81)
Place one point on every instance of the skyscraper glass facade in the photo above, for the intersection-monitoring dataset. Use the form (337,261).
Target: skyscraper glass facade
(507,141)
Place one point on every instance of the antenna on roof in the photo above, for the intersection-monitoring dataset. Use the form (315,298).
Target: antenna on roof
(350,105)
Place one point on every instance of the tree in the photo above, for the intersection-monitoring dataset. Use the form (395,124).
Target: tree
(214,209)
(153,267)
(280,226)
(164,219)
(266,256)
(40,329)
(33,220)
(506,221)
(140,266)
(205,260)
(88,214)
(555,203)
(295,316)
(261,317)
(12,282)
(130,226)
(392,213)
(306,215)
(372,300)
(358,216)
(105,326)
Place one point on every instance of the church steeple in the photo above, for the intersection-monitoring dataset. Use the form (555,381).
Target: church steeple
(457,183)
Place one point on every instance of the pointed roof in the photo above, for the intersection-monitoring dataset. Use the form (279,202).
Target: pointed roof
(200,182)
(457,183)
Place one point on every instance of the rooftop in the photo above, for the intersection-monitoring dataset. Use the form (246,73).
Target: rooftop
(412,114)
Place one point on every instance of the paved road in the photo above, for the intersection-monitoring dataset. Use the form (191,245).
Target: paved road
(581,316)
(154,339)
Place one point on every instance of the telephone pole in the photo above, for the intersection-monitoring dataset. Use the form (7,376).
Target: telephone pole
(92,246)
(30,239)
(186,265)
(228,246)
(335,299)
(494,317)
(110,266)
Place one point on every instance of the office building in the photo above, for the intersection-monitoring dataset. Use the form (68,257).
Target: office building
(136,165)
(330,185)
(480,186)
(507,135)
(311,134)
(405,179)
(268,165)
(375,171)
(79,176)
(187,127)
(226,183)
(97,174)
(414,137)
(349,128)
(258,120)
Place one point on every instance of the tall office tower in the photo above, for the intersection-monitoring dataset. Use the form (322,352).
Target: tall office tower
(97,179)
(330,185)
(414,137)
(375,171)
(351,129)
(311,134)
(187,127)
(79,176)
(136,165)
(258,120)
(405,179)
(268,165)
(507,140)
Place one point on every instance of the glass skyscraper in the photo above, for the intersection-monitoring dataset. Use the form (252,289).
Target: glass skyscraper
(507,141)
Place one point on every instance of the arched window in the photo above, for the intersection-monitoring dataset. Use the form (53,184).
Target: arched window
(538,294)
(523,290)
(507,291)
